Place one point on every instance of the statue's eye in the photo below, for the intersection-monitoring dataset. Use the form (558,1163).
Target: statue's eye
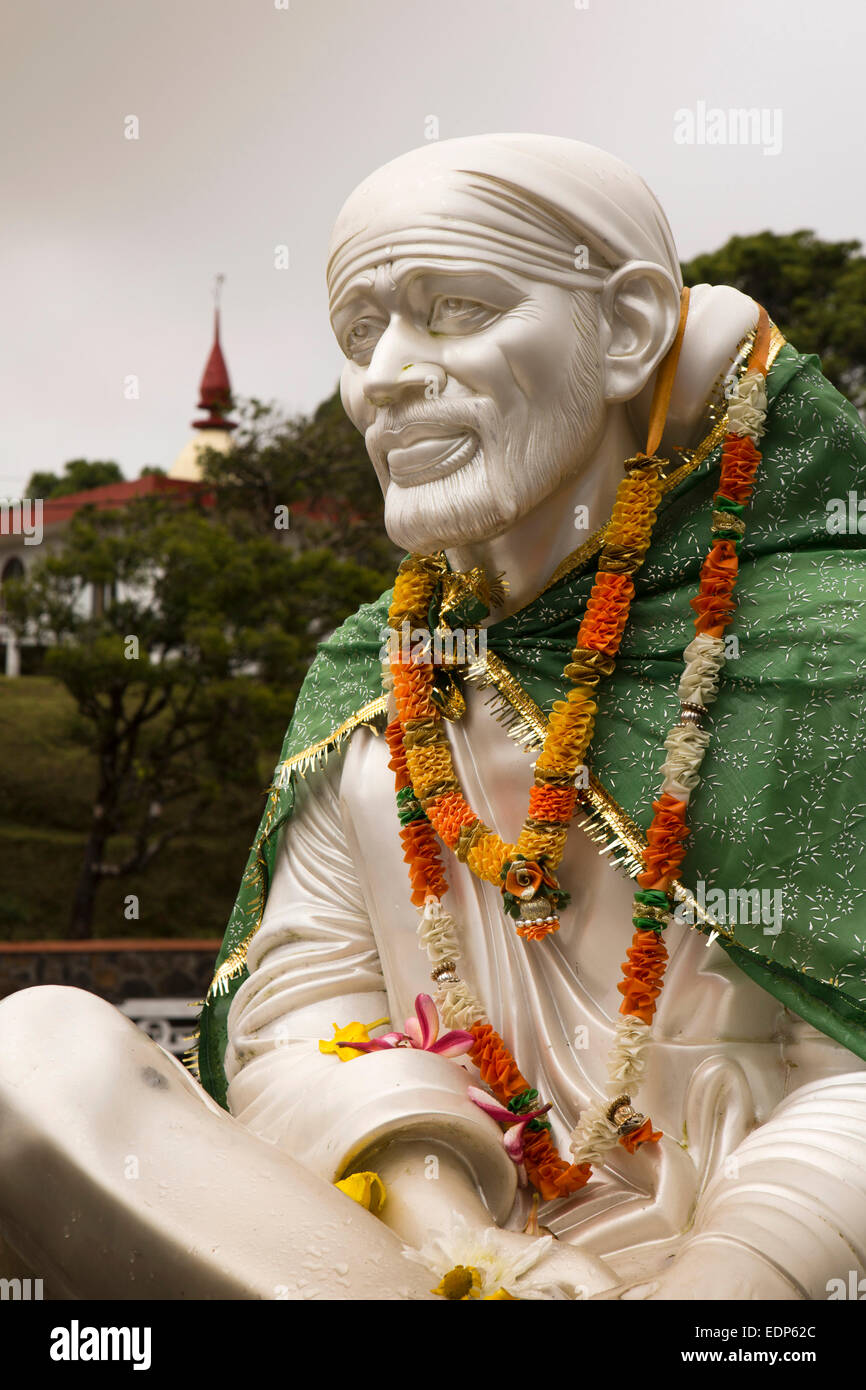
(451,314)
(361,338)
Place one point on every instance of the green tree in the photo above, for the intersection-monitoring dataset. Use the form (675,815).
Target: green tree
(814,290)
(307,479)
(79,475)
(186,669)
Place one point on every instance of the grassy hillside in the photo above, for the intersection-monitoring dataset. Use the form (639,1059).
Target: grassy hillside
(46,789)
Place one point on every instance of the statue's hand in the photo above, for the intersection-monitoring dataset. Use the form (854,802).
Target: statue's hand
(709,1271)
(575,1273)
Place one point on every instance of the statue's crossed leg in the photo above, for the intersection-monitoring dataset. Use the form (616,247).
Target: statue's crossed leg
(120,1178)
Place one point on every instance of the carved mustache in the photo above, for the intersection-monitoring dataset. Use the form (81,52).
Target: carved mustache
(438,417)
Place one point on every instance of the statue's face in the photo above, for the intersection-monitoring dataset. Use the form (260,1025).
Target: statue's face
(478,392)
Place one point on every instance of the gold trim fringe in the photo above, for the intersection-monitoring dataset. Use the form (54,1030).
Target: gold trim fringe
(606,823)
(316,755)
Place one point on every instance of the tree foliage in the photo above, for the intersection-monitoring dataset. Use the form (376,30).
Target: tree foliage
(190,668)
(311,471)
(79,475)
(814,290)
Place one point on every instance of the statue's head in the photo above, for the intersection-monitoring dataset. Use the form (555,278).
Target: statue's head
(494,296)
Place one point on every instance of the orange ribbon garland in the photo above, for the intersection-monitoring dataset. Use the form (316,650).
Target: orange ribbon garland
(412,690)
(449,813)
(606,613)
(643,971)
(552,803)
(740,461)
(397,761)
(714,604)
(665,850)
(549,1174)
(420,851)
(644,1135)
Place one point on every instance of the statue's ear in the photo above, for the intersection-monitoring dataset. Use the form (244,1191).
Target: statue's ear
(640,311)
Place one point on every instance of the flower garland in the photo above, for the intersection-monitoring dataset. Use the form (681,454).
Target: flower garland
(602,1123)
(430,802)
(548,1173)
(524,869)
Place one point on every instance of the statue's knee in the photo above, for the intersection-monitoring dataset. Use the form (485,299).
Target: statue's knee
(39,1023)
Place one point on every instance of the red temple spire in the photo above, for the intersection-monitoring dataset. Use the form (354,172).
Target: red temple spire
(215,391)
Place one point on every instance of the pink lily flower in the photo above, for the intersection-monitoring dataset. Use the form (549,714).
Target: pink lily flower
(513,1139)
(422,1033)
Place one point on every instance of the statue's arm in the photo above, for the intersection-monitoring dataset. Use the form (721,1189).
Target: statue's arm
(314,963)
(785,1215)
(795,1188)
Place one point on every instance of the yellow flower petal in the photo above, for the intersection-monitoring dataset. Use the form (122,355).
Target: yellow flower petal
(367,1189)
(501,1296)
(352,1032)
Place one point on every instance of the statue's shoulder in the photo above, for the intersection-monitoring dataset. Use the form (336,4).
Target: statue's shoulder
(359,632)
(798,391)
(343,682)
(815,456)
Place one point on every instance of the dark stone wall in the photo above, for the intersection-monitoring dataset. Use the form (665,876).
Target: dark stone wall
(114,973)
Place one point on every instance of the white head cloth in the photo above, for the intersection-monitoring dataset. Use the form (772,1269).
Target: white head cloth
(522,202)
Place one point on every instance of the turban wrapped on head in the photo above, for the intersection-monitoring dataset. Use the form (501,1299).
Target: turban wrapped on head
(554,209)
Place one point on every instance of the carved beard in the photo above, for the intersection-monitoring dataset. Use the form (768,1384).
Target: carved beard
(519,461)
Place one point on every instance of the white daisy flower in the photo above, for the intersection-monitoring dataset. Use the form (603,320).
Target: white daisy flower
(483,1262)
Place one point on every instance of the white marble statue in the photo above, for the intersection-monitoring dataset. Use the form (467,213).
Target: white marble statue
(500,361)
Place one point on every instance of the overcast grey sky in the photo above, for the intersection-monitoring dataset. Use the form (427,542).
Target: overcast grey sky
(255,122)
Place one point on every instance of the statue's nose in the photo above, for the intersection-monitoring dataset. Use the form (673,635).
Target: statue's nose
(401,365)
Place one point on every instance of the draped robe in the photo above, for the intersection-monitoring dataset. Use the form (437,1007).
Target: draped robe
(755,1071)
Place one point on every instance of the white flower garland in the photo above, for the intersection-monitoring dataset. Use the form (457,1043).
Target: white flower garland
(704,658)
(438,932)
(686,745)
(747,410)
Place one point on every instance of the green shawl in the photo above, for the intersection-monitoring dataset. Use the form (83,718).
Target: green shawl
(782,801)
